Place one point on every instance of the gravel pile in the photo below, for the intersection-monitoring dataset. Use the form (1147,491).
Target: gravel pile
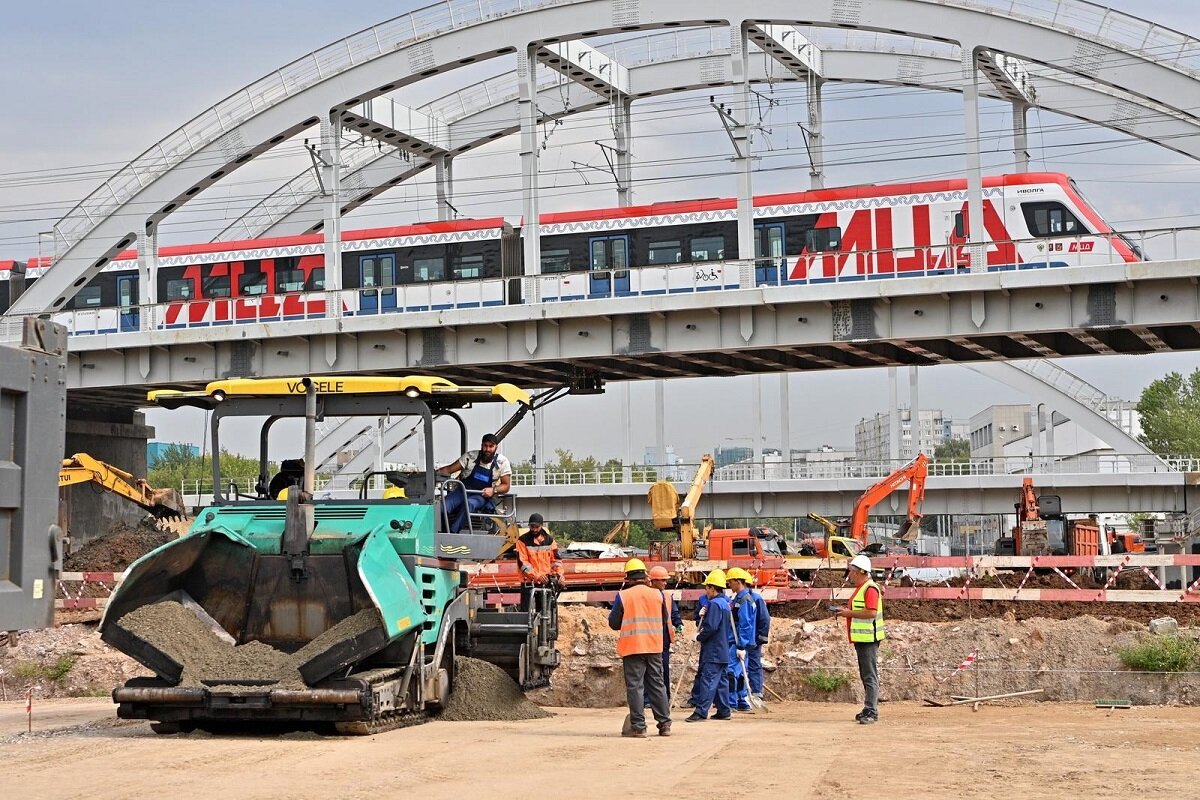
(209,661)
(483,691)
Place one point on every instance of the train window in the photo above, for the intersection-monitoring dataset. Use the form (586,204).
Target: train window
(316,281)
(87,297)
(289,280)
(215,286)
(467,267)
(817,240)
(179,289)
(710,248)
(960,226)
(668,252)
(429,269)
(251,284)
(556,261)
(1051,219)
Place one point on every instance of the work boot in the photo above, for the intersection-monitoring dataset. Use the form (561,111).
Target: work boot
(634,733)
(664,729)
(724,716)
(868,719)
(744,709)
(695,718)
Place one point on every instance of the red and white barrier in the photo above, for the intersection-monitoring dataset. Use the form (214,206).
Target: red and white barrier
(965,664)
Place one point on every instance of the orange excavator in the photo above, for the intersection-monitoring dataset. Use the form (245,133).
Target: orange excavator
(914,474)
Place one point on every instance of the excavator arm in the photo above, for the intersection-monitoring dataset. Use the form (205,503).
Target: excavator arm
(82,468)
(669,514)
(913,473)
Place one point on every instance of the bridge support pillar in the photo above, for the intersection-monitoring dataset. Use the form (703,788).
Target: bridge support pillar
(331,173)
(785,419)
(118,437)
(623,134)
(976,233)
(1020,113)
(443,167)
(893,415)
(528,114)
(147,275)
(815,133)
(739,133)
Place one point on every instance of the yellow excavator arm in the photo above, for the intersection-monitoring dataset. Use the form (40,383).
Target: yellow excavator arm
(82,468)
(669,514)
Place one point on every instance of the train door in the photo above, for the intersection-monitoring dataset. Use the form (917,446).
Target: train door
(129,316)
(609,265)
(768,253)
(378,276)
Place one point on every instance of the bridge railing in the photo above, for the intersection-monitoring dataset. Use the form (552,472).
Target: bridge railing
(677,278)
(1104,464)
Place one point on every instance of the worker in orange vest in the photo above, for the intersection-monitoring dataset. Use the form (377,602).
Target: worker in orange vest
(642,614)
(864,626)
(537,553)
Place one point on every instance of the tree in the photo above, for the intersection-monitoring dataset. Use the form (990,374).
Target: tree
(1170,415)
(953,450)
(178,466)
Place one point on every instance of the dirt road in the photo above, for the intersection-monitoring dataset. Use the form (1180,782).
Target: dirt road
(1033,751)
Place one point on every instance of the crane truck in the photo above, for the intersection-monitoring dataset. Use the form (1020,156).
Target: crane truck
(363,598)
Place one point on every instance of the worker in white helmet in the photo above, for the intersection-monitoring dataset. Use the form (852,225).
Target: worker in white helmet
(864,626)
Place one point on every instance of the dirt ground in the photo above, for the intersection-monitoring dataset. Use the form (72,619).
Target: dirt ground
(1046,751)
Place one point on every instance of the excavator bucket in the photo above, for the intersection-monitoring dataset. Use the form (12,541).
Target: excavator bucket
(909,530)
(166,504)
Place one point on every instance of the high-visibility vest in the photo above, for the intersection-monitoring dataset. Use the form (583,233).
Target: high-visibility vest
(866,630)
(539,558)
(644,619)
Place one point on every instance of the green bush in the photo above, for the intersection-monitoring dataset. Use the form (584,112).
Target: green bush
(826,681)
(1160,654)
(35,671)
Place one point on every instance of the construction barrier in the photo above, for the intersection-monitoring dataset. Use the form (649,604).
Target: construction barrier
(973,565)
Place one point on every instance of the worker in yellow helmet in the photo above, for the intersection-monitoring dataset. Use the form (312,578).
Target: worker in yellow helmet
(715,635)
(744,612)
(642,614)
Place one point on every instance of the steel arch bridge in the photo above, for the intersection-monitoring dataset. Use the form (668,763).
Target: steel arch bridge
(1113,70)
(1144,66)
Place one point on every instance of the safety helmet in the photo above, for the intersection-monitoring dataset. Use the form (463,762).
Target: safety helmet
(738,574)
(282,494)
(635,565)
(659,574)
(394,493)
(715,578)
(861,562)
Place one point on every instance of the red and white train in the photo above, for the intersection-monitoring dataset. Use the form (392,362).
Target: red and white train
(1032,220)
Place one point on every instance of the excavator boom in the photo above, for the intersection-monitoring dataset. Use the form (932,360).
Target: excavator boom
(82,468)
(913,473)
(669,514)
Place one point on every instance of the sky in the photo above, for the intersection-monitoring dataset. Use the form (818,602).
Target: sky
(91,85)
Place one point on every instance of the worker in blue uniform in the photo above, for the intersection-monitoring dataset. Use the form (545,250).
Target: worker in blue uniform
(743,613)
(714,634)
(762,634)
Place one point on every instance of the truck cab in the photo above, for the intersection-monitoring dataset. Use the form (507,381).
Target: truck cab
(758,544)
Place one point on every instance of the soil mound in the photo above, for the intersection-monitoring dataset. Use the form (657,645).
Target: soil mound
(483,691)
(117,549)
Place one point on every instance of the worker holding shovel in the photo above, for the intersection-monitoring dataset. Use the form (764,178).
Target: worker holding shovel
(745,634)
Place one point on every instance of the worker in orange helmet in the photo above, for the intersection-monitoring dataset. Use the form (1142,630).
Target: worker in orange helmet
(658,579)
(642,615)
(864,626)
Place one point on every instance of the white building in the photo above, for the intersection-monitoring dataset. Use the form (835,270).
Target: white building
(872,436)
